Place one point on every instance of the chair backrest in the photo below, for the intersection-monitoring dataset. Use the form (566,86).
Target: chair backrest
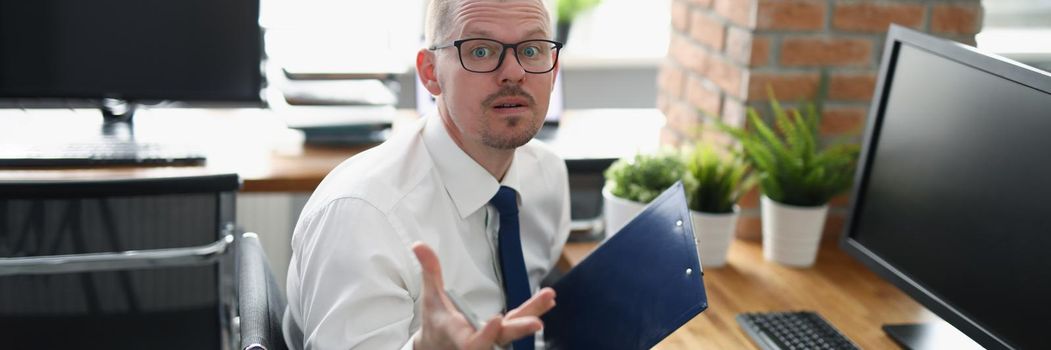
(260,301)
(117,264)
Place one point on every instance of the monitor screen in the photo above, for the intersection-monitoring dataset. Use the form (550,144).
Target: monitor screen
(949,200)
(173,50)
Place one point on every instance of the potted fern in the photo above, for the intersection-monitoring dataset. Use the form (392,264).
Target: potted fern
(631,183)
(721,181)
(797,178)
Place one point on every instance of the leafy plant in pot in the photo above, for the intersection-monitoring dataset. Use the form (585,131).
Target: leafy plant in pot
(797,177)
(631,183)
(713,183)
(721,181)
(568,10)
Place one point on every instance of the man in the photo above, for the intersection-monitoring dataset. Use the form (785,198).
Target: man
(464,202)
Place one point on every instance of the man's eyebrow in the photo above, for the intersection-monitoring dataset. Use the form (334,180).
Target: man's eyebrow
(478,33)
(481,33)
(537,31)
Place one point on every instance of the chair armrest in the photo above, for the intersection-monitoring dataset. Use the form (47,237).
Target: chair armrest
(127,260)
(261,303)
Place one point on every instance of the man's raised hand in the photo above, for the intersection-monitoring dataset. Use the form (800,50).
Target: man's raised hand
(443,327)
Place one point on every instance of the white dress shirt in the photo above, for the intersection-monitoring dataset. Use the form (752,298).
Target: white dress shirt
(353,281)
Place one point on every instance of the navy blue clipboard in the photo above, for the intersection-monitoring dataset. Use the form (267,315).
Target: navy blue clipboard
(636,288)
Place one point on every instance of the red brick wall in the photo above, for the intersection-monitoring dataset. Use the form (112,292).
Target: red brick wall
(724,53)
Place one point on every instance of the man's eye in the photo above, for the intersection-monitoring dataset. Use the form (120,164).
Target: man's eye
(480,52)
(531,51)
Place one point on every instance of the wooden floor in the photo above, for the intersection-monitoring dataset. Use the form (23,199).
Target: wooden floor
(843,291)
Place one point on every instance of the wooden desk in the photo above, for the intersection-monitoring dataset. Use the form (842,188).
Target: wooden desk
(255,144)
(844,292)
(250,142)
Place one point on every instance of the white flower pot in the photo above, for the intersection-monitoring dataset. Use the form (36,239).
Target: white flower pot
(714,232)
(791,234)
(618,211)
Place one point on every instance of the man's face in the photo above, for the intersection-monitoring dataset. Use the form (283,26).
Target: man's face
(501,109)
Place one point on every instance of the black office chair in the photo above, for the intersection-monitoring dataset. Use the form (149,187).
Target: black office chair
(260,300)
(118,264)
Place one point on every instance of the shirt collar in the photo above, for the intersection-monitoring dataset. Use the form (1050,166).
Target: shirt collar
(469,185)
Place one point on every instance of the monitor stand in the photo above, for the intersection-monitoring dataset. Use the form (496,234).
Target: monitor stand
(117,116)
(933,335)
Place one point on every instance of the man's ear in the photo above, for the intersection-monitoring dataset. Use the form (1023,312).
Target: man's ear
(425,61)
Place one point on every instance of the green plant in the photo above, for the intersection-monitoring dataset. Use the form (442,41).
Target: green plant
(793,167)
(644,177)
(721,181)
(569,9)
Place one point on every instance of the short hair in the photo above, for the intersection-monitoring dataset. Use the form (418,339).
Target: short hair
(438,21)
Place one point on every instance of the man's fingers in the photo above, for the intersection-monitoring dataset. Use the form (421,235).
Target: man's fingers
(515,328)
(484,338)
(540,303)
(432,269)
(520,322)
(525,319)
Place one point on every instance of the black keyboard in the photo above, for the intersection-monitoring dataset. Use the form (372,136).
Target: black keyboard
(97,153)
(792,330)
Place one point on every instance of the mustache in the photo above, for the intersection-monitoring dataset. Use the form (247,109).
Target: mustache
(508,91)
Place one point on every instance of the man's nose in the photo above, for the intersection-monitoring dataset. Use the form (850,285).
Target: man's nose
(510,71)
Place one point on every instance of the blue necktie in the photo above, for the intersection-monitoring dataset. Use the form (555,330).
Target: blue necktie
(512,264)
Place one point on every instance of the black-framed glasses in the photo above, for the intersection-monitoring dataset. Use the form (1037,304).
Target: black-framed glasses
(481,55)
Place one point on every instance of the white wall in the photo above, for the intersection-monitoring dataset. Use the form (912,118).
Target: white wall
(272,216)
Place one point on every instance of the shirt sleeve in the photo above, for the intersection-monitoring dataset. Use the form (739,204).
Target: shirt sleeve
(355,289)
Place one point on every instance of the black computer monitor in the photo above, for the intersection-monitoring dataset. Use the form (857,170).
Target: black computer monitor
(194,51)
(951,200)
